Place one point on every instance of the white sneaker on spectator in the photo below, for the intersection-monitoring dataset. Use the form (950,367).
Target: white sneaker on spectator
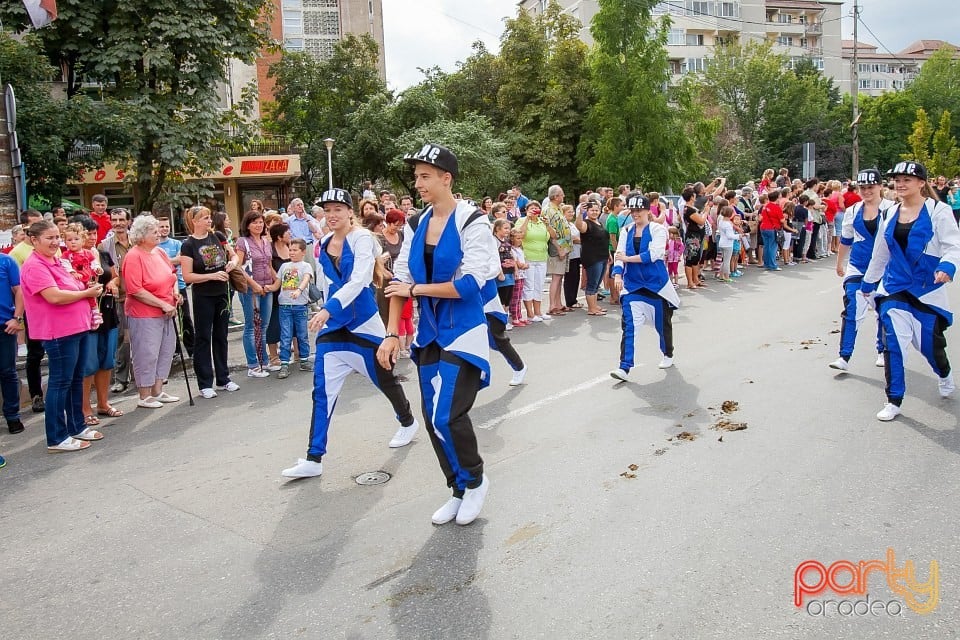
(545,316)
(230,386)
(208,393)
(404,435)
(880,362)
(472,502)
(447,512)
(536,319)
(509,327)
(303,469)
(518,377)
(272,367)
(665,363)
(166,397)
(840,364)
(888,413)
(946,386)
(22,351)
(257,372)
(619,374)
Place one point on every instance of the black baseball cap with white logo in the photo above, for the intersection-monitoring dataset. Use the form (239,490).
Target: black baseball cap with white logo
(869,177)
(435,155)
(341,196)
(914,169)
(637,201)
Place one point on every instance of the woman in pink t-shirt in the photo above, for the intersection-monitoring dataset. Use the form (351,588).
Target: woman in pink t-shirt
(150,280)
(60,317)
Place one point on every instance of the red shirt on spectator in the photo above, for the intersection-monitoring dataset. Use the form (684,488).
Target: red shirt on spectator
(832,208)
(850,198)
(103,225)
(771,217)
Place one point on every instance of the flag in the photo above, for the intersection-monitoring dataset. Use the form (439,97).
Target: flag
(42,12)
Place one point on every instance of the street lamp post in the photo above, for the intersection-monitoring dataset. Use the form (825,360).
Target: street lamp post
(328,143)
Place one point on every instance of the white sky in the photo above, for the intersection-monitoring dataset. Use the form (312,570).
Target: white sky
(424,33)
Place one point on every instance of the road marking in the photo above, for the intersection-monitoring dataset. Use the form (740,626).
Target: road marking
(522,411)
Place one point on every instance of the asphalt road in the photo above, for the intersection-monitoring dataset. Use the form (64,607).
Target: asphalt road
(600,522)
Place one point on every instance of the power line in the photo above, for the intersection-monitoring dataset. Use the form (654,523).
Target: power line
(689,12)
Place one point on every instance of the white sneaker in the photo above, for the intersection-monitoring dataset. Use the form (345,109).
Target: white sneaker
(271,367)
(473,502)
(665,363)
(840,364)
(518,377)
(257,372)
(166,397)
(880,362)
(447,512)
(404,435)
(619,374)
(303,469)
(509,327)
(888,413)
(545,316)
(231,386)
(22,351)
(536,319)
(208,393)
(149,403)
(946,386)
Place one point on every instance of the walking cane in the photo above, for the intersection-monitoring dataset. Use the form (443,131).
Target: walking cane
(183,362)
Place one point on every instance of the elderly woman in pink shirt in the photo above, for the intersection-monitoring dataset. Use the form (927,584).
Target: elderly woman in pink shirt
(59,309)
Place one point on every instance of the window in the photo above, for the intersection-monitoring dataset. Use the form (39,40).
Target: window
(818,63)
(293,44)
(676,37)
(881,68)
(677,67)
(694,40)
(804,42)
(699,8)
(879,84)
(864,84)
(863,68)
(695,65)
(898,84)
(728,9)
(785,41)
(784,18)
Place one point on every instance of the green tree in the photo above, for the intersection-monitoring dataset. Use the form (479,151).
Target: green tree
(481,154)
(49,127)
(919,139)
(315,100)
(937,87)
(162,61)
(631,132)
(885,124)
(945,159)
(474,86)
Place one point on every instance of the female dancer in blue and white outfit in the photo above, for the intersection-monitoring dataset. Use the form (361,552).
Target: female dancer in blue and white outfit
(639,270)
(857,237)
(918,252)
(350,330)
(446,259)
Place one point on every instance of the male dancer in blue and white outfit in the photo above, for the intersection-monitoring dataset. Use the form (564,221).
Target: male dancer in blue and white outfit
(918,252)
(446,258)
(857,237)
(639,271)
(350,330)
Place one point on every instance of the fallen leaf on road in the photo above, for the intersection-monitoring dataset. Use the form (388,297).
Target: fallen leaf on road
(632,467)
(835,331)
(686,435)
(689,415)
(728,425)
(729,406)
(720,439)
(628,475)
(659,452)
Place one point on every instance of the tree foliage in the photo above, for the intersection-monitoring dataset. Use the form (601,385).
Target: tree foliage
(632,133)
(161,65)
(937,87)
(885,124)
(315,99)
(945,158)
(920,138)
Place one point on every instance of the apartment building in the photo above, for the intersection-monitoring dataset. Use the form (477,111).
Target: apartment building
(881,72)
(797,28)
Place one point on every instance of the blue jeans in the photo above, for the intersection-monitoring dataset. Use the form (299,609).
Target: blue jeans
(64,413)
(594,276)
(265,302)
(293,322)
(769,248)
(9,380)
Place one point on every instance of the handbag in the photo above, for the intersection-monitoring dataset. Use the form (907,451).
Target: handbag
(238,280)
(313,293)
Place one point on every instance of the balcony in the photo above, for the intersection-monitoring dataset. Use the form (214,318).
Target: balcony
(814,27)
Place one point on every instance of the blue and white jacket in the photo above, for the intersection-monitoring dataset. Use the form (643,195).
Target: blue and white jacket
(854,234)
(651,273)
(933,245)
(466,256)
(347,293)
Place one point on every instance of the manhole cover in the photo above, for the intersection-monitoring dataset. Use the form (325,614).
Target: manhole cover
(373,477)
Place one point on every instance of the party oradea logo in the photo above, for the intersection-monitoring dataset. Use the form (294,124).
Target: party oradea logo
(812,580)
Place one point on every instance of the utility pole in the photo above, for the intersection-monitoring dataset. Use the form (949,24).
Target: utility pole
(854,93)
